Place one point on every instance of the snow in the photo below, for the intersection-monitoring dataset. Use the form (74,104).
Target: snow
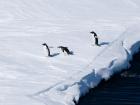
(29,77)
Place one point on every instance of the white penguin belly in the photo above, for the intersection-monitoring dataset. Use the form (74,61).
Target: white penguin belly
(45,50)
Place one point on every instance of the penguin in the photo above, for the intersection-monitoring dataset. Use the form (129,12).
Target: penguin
(96,38)
(46,48)
(65,50)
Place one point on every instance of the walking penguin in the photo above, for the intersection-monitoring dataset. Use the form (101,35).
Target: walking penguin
(47,48)
(96,38)
(65,50)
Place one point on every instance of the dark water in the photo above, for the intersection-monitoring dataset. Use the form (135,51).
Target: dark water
(121,89)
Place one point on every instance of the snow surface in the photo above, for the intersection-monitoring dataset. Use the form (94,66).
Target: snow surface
(29,77)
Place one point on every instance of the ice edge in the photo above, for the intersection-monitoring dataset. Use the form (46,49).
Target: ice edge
(71,90)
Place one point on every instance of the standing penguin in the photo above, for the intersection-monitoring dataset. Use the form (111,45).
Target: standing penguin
(47,48)
(96,38)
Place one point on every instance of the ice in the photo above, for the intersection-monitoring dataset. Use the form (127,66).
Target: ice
(29,77)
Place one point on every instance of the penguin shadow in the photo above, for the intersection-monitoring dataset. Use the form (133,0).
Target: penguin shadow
(104,43)
(55,54)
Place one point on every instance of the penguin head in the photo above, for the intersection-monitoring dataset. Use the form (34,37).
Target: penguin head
(92,32)
(44,44)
